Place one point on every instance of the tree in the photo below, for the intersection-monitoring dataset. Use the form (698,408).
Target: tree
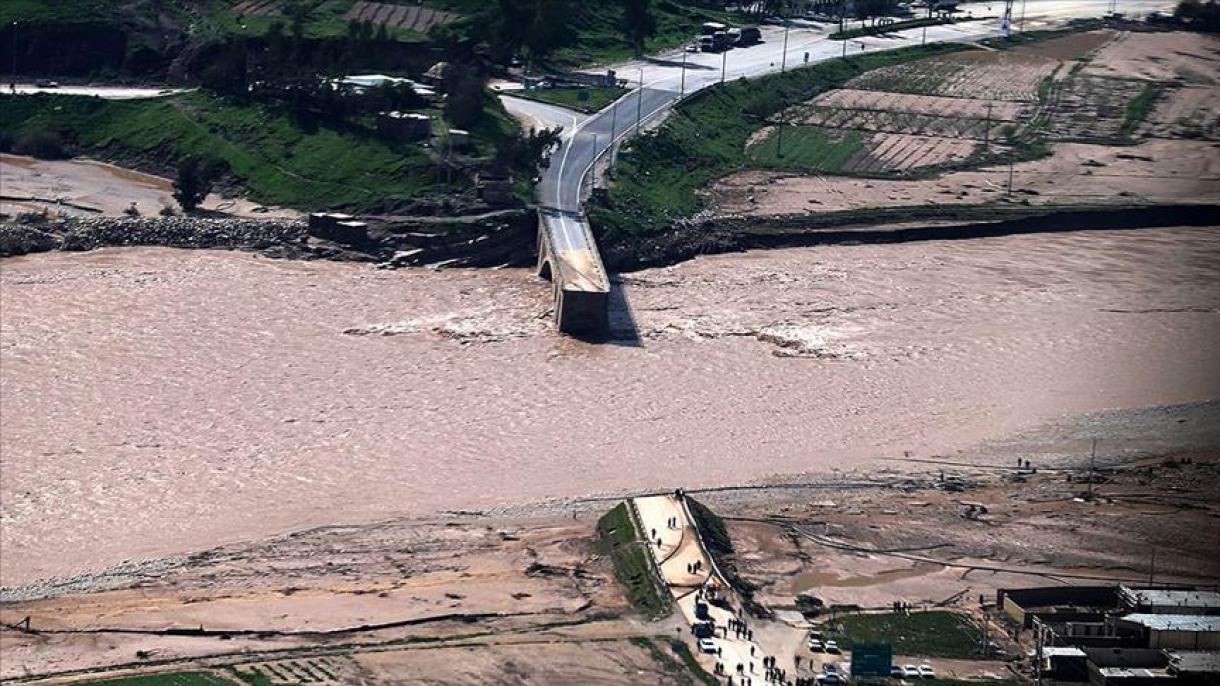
(639,23)
(464,96)
(193,183)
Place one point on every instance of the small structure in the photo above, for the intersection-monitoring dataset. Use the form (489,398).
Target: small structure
(459,139)
(1058,604)
(494,188)
(1170,601)
(337,227)
(1189,632)
(404,126)
(363,82)
(435,76)
(1195,666)
(1128,667)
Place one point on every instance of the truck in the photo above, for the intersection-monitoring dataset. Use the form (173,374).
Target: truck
(721,41)
(750,35)
(711,28)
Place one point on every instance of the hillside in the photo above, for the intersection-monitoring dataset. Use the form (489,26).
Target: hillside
(276,157)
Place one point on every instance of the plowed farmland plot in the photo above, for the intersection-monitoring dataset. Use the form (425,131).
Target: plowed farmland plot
(259,8)
(931,113)
(1008,75)
(1186,113)
(403,17)
(1092,108)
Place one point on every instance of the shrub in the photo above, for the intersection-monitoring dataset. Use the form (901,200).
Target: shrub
(45,145)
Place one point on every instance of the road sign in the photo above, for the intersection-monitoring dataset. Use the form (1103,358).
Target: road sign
(871,659)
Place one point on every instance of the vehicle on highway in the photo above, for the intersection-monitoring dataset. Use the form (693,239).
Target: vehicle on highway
(707,645)
(46,83)
(926,672)
(816,646)
(910,671)
(833,648)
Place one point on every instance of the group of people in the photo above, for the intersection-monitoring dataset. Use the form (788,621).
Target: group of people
(694,567)
(771,674)
(740,629)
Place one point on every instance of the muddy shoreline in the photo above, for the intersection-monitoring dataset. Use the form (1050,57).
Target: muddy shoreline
(689,239)
(506,238)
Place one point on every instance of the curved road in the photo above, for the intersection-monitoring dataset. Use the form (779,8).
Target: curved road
(566,242)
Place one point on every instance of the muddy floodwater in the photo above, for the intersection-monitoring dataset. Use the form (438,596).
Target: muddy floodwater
(157,402)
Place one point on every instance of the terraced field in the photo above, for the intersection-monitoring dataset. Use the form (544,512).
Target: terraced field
(943,111)
(259,8)
(408,17)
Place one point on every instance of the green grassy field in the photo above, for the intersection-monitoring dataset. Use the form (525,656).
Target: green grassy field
(597,98)
(618,538)
(49,11)
(281,159)
(806,148)
(924,634)
(658,175)
(171,679)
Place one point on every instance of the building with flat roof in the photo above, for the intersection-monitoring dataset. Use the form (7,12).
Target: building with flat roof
(1170,601)
(1188,632)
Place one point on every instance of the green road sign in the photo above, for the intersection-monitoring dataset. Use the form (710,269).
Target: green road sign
(871,659)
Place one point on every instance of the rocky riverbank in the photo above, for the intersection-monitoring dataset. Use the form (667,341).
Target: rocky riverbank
(687,239)
(490,239)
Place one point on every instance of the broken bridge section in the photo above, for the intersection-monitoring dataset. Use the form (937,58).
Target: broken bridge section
(568,256)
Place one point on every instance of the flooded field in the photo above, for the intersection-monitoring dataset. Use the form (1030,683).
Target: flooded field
(157,402)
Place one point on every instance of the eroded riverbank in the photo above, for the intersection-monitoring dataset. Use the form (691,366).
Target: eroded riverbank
(158,401)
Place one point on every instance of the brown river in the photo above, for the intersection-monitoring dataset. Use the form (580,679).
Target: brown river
(157,401)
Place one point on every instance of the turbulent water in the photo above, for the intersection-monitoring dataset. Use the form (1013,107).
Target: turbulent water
(159,401)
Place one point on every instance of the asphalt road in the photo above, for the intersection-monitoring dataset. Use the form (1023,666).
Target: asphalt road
(660,81)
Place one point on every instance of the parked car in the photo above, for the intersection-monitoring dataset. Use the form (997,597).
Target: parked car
(816,646)
(831,679)
(896,672)
(910,671)
(926,672)
(814,633)
(833,648)
(707,645)
(46,83)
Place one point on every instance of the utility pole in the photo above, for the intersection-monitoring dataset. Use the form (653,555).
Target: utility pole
(1038,651)
(987,129)
(613,134)
(783,60)
(1021,23)
(639,104)
(13,81)
(724,64)
(1010,165)
(1092,467)
(682,86)
(779,138)
(925,35)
